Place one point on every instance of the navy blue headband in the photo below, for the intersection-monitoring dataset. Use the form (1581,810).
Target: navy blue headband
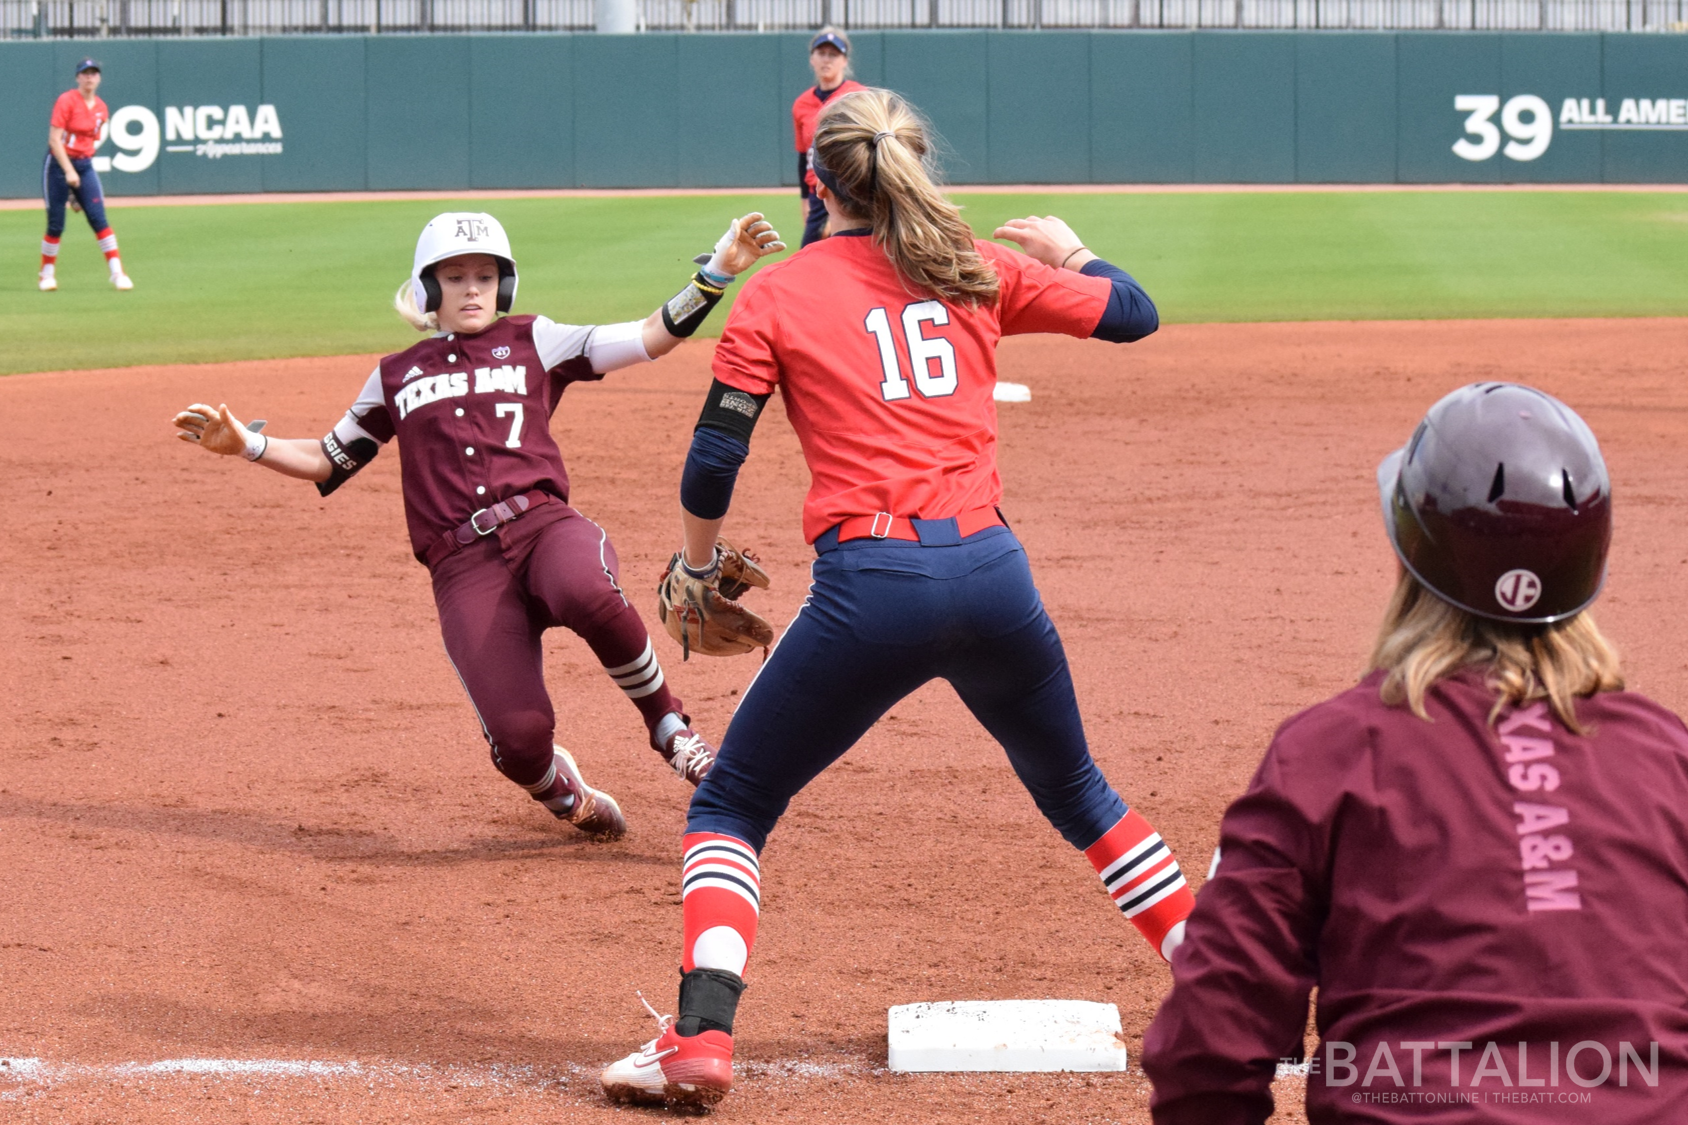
(830,39)
(825,176)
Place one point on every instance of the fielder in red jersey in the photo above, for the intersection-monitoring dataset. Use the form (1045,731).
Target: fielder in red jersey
(829,58)
(891,392)
(881,341)
(1478,856)
(78,124)
(80,121)
(486,494)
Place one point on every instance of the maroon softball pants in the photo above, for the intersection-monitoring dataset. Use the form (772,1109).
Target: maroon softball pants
(497,596)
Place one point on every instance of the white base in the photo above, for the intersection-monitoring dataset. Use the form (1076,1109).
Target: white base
(1012,392)
(1011,1035)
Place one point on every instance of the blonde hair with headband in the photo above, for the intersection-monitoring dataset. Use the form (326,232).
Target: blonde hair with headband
(873,151)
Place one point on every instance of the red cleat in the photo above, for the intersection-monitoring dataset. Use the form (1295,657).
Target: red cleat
(682,1071)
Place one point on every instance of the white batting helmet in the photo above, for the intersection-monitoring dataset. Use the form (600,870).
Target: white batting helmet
(461,232)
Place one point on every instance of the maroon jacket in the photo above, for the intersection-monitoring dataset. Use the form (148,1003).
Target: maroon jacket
(1491,899)
(472,415)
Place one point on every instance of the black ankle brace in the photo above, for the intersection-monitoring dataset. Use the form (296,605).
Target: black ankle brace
(708,1001)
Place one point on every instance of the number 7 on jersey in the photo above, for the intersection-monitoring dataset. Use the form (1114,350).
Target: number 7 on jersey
(922,351)
(514,441)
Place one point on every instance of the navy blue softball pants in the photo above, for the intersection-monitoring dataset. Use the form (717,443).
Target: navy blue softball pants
(882,618)
(56,190)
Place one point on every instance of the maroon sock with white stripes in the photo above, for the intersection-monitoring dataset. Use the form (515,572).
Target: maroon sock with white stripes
(642,681)
(1142,876)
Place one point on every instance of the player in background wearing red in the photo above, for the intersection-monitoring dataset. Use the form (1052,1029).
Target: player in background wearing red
(1478,855)
(79,121)
(881,341)
(486,494)
(829,58)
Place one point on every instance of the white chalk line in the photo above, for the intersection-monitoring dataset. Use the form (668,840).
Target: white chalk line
(18,1075)
(21,1076)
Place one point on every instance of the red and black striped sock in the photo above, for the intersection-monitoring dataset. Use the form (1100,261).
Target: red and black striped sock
(1142,876)
(721,892)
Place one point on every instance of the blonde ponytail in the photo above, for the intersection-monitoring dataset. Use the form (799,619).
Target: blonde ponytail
(877,148)
(404,303)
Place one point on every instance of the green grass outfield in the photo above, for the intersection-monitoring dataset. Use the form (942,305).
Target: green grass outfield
(244,281)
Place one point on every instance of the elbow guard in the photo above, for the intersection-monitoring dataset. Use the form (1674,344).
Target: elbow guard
(720,444)
(687,309)
(732,411)
(345,460)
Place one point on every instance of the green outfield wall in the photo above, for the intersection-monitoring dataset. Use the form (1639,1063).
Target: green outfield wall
(329,113)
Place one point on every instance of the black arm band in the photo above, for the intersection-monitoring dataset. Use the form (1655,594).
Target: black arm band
(732,411)
(344,460)
(687,309)
(803,175)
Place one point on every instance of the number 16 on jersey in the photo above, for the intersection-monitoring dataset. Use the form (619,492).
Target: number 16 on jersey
(923,351)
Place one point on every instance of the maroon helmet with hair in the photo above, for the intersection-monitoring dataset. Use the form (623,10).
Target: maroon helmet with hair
(1500,504)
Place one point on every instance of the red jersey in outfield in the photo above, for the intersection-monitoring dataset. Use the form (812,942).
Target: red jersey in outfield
(83,125)
(890,392)
(807,108)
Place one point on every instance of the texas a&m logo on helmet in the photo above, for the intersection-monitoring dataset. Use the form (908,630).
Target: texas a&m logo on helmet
(461,232)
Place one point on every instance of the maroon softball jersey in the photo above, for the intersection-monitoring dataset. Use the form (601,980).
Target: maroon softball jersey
(1496,918)
(472,415)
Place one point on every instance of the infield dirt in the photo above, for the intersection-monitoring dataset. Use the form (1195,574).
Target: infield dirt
(246,813)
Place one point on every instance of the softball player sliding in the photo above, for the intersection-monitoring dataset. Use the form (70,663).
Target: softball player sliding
(486,494)
(79,119)
(881,340)
(1479,854)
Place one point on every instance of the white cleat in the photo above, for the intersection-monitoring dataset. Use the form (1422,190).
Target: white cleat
(47,284)
(688,755)
(121,281)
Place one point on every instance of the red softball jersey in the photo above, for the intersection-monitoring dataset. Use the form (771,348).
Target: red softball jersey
(807,108)
(83,125)
(890,392)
